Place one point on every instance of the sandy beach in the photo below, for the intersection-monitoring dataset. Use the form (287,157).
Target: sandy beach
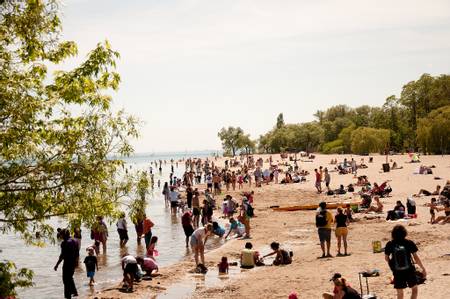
(296,230)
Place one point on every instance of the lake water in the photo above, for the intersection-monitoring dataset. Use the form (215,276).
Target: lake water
(171,241)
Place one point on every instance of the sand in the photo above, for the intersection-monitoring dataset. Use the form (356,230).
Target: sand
(307,275)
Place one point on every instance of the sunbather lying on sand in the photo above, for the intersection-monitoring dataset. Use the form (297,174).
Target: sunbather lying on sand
(428,193)
(446,218)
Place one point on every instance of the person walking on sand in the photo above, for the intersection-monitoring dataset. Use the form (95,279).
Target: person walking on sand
(198,241)
(318,181)
(327,179)
(245,215)
(324,220)
(399,254)
(342,221)
(69,254)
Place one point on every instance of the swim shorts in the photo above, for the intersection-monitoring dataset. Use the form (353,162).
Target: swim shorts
(324,234)
(341,231)
(403,279)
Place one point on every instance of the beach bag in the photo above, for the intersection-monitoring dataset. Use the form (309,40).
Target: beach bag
(401,260)
(321,219)
(250,211)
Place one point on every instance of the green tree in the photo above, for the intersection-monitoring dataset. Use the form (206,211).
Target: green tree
(10,279)
(231,138)
(369,140)
(306,136)
(433,132)
(139,185)
(248,145)
(346,137)
(280,121)
(58,133)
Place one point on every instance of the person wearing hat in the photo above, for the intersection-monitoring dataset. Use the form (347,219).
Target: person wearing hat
(329,295)
(342,289)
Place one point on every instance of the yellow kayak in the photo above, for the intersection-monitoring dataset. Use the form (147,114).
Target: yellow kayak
(332,205)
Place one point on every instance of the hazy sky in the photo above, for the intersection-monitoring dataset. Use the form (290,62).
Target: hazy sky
(191,67)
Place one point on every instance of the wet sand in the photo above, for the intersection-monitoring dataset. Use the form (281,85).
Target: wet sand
(296,231)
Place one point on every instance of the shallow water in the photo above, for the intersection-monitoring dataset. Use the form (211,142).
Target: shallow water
(193,282)
(48,283)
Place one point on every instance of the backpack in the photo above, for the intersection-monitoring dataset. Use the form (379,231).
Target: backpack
(250,212)
(321,219)
(401,259)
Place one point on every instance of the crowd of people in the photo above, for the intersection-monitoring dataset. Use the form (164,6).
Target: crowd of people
(195,195)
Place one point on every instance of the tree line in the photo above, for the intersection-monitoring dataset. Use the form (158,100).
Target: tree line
(418,120)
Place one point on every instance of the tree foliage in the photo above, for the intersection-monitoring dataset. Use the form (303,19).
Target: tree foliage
(58,132)
(369,140)
(234,139)
(280,121)
(293,137)
(11,279)
(137,206)
(407,118)
(433,132)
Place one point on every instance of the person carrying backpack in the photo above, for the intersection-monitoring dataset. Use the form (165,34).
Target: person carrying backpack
(245,215)
(324,220)
(399,254)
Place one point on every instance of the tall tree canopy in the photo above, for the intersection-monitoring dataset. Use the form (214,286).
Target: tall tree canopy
(57,131)
(280,121)
(234,139)
(412,120)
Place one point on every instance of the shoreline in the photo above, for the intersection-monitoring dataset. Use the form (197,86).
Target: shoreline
(296,230)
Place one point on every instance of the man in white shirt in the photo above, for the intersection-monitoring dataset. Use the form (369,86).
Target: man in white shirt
(122,229)
(174,197)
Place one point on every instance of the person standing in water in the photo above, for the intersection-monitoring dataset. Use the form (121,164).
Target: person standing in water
(100,232)
(196,207)
(122,229)
(186,222)
(147,230)
(189,195)
(69,254)
(165,192)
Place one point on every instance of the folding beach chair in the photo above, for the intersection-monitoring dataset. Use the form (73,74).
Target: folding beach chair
(368,295)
